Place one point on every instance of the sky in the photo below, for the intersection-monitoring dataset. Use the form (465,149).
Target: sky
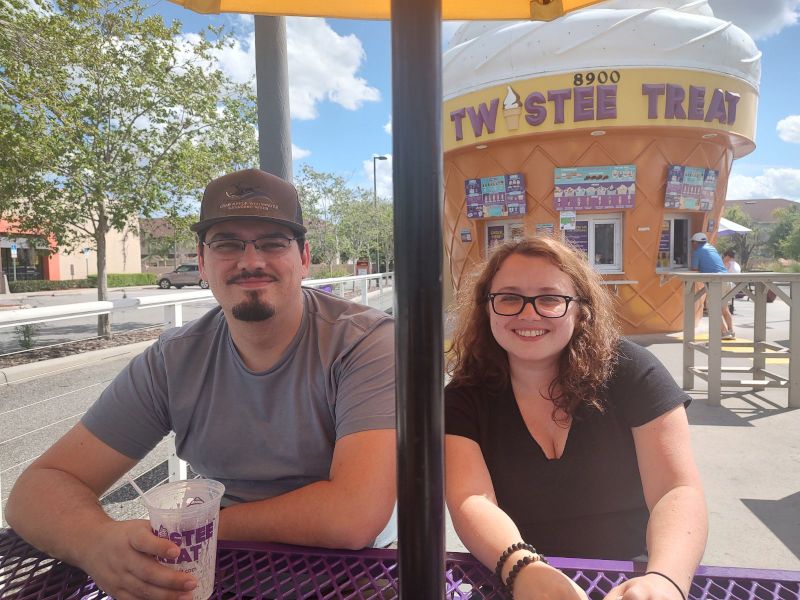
(340,92)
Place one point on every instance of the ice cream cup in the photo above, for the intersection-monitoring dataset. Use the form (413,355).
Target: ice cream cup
(187,514)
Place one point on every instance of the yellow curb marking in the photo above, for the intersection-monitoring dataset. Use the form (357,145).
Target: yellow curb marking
(703,337)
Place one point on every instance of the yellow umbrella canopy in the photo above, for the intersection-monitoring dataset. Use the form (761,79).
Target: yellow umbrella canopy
(381,9)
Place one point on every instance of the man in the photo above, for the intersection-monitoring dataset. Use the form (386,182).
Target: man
(282,393)
(706,259)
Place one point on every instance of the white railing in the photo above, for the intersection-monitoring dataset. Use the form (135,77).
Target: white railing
(172,303)
(173,317)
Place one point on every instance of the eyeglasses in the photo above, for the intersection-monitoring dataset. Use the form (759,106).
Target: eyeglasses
(550,306)
(233,248)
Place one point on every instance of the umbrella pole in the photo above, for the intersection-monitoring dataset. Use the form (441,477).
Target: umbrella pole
(272,91)
(417,160)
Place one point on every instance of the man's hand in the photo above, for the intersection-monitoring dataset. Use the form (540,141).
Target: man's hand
(119,556)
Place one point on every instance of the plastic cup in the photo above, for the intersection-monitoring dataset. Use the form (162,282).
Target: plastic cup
(187,513)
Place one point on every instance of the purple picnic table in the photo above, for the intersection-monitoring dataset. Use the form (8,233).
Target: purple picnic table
(278,571)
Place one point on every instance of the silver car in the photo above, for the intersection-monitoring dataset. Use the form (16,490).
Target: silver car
(183,275)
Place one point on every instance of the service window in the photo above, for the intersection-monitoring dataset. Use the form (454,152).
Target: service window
(600,237)
(673,246)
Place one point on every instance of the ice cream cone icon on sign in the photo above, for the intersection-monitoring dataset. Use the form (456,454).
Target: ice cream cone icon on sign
(512,109)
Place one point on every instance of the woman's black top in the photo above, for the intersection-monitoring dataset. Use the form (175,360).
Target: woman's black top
(588,503)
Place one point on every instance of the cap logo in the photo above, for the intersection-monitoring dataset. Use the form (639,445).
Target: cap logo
(242,199)
(243,191)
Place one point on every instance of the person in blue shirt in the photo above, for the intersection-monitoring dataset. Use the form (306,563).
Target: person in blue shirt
(706,259)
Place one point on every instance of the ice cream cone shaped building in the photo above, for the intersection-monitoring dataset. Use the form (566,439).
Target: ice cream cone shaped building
(613,127)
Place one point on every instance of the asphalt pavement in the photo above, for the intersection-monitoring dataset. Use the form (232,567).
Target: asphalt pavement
(747,449)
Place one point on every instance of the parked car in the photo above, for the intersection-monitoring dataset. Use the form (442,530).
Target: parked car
(183,275)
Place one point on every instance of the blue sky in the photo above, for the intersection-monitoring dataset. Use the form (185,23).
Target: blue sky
(340,92)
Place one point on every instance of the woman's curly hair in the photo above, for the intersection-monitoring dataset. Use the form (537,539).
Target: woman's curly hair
(476,359)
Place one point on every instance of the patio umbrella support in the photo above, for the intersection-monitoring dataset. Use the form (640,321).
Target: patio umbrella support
(272,92)
(417,147)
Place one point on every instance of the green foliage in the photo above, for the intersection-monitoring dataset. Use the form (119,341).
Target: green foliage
(108,113)
(785,238)
(343,223)
(40,285)
(746,245)
(127,279)
(26,335)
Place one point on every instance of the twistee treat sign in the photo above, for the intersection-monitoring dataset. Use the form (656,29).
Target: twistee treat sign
(187,514)
(601,99)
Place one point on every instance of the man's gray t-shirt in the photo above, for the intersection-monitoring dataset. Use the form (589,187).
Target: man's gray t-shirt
(260,434)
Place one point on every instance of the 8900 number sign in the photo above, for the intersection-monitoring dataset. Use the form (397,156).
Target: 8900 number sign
(590,78)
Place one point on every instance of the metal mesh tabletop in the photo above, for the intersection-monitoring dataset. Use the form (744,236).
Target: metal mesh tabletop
(275,571)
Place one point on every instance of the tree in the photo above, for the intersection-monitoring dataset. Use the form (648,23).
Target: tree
(109,114)
(745,244)
(784,240)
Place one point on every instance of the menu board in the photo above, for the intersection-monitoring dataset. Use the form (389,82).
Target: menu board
(595,188)
(499,196)
(690,188)
(578,237)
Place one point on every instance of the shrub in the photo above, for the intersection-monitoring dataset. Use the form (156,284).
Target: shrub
(114,280)
(42,285)
(126,279)
(26,335)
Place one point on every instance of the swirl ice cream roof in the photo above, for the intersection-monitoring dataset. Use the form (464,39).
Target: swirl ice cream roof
(620,33)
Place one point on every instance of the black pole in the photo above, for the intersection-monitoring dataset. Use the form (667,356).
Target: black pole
(417,106)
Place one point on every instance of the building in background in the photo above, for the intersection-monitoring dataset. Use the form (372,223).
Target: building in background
(39,258)
(613,128)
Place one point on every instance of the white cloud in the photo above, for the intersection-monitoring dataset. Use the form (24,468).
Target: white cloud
(383,172)
(789,129)
(298,153)
(760,19)
(323,66)
(388,126)
(782,182)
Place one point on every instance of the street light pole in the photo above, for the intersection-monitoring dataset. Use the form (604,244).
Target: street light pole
(375,203)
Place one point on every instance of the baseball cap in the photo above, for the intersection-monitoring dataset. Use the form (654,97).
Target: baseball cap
(249,195)
(699,237)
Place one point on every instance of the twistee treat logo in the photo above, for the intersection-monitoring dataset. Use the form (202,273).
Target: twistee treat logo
(190,542)
(634,97)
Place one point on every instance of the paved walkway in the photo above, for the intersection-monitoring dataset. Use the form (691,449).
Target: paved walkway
(748,449)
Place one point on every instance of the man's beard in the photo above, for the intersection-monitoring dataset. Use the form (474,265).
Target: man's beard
(253,309)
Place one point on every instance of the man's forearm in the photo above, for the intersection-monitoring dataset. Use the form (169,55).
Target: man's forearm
(53,511)
(677,533)
(320,514)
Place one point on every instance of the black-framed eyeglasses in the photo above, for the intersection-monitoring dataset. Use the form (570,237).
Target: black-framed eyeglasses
(273,245)
(550,306)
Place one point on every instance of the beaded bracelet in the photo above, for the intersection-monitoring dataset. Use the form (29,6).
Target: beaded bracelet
(677,587)
(508,552)
(521,564)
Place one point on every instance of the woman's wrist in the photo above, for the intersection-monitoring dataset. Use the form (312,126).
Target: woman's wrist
(671,581)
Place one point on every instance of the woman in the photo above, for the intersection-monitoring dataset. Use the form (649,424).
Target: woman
(551,418)
(729,260)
